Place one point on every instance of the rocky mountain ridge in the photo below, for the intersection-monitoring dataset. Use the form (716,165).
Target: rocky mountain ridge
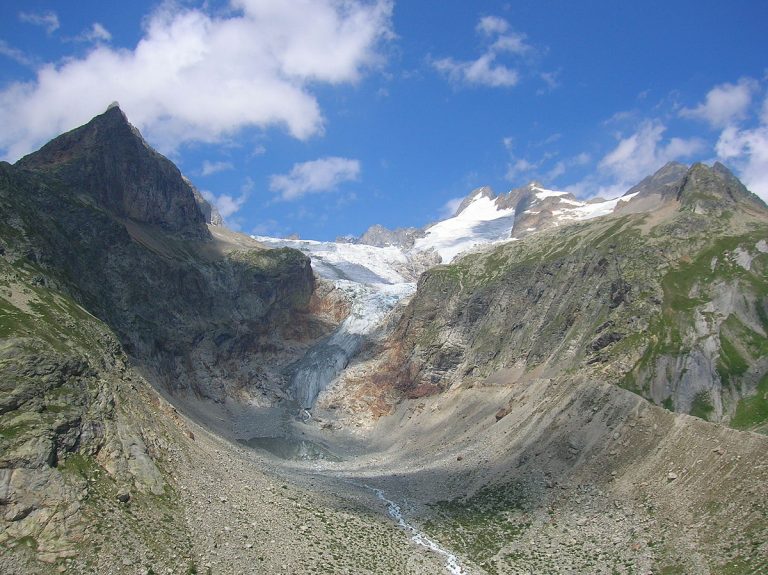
(108,161)
(110,277)
(607,297)
(521,401)
(534,208)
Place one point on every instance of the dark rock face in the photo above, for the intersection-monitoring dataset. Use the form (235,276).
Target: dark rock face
(108,160)
(119,229)
(665,182)
(103,251)
(466,322)
(533,213)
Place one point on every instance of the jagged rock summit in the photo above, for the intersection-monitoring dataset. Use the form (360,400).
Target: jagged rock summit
(108,160)
(715,190)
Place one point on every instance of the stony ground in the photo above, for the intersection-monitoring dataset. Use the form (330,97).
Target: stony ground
(572,478)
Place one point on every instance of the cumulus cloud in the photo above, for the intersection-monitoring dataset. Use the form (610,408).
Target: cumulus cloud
(747,151)
(634,157)
(486,69)
(724,104)
(323,175)
(492,25)
(482,72)
(48,20)
(194,76)
(228,204)
(215,167)
(644,152)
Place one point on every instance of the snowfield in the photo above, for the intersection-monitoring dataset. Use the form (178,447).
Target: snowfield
(481,222)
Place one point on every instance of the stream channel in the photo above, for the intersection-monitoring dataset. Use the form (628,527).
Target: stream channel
(374,287)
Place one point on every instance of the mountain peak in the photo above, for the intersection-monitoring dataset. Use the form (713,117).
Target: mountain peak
(654,190)
(482,192)
(108,160)
(714,190)
(380,236)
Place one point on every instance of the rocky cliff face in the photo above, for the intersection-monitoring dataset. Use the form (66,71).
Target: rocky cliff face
(81,434)
(671,304)
(210,213)
(108,161)
(381,237)
(107,270)
(119,227)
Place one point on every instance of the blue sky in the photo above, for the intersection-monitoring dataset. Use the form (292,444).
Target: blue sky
(323,117)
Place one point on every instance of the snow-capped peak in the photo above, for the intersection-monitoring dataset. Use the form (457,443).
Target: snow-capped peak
(480,221)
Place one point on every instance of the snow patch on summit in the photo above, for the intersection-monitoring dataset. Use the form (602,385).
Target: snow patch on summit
(587,211)
(481,222)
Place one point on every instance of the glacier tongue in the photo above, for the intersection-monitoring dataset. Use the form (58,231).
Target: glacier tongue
(373,282)
(325,360)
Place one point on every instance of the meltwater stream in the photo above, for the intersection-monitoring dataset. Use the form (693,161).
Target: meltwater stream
(418,537)
(374,282)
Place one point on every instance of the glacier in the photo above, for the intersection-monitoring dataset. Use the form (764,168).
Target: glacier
(375,279)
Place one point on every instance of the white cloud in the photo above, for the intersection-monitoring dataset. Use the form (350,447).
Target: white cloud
(449,208)
(323,175)
(194,76)
(482,71)
(225,203)
(581,159)
(492,25)
(48,20)
(486,70)
(644,152)
(520,167)
(747,151)
(551,80)
(15,54)
(215,167)
(96,33)
(724,104)
(511,43)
